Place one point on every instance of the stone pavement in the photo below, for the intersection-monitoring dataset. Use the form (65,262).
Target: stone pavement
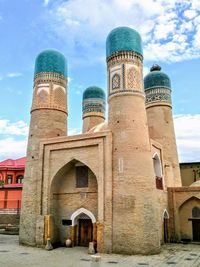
(13,255)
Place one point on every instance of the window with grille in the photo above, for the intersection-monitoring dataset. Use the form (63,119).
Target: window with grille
(81,176)
(20,179)
(10,178)
(116,81)
(196,212)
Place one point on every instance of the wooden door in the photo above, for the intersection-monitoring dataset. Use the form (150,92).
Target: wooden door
(196,229)
(85,232)
(165,226)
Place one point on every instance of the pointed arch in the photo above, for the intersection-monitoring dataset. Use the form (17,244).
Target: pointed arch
(80,211)
(165,214)
(158,171)
(73,161)
(157,165)
(189,199)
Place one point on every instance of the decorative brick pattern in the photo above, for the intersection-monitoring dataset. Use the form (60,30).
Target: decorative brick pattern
(116,81)
(129,64)
(155,95)
(93,105)
(50,92)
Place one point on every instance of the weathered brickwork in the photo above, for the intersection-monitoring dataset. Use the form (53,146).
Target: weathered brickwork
(128,122)
(118,183)
(181,202)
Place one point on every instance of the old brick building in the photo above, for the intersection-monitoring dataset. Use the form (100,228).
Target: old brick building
(110,184)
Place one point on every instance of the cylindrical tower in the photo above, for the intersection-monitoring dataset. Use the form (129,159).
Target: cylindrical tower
(48,119)
(135,207)
(160,121)
(93,107)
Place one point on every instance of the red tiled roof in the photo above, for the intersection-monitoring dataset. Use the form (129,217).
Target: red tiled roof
(13,164)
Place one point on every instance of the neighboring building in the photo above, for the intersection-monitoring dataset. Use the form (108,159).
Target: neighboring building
(190,173)
(11,183)
(118,183)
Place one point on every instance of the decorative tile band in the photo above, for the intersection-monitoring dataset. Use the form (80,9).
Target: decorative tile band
(44,77)
(159,94)
(50,92)
(93,105)
(124,57)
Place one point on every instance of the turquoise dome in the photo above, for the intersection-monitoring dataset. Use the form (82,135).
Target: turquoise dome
(123,39)
(51,61)
(156,78)
(94,92)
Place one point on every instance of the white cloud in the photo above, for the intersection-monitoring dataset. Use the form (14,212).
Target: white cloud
(146,70)
(46,2)
(196,4)
(74,131)
(14,74)
(69,79)
(166,34)
(13,139)
(190,13)
(11,75)
(16,128)
(11,148)
(187,128)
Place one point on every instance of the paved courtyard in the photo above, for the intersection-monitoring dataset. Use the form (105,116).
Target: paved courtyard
(13,255)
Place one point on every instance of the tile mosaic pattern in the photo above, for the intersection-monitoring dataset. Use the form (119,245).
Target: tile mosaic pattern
(116,81)
(50,92)
(158,95)
(93,105)
(51,61)
(156,78)
(93,100)
(94,92)
(123,39)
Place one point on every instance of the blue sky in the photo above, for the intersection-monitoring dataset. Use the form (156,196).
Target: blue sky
(78,28)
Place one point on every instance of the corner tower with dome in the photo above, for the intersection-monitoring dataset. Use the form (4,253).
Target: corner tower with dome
(160,121)
(93,107)
(116,186)
(48,120)
(134,193)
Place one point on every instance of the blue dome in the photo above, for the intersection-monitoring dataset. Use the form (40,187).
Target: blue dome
(156,78)
(123,39)
(51,61)
(94,92)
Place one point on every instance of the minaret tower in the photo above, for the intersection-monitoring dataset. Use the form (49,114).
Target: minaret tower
(160,121)
(135,207)
(93,107)
(48,119)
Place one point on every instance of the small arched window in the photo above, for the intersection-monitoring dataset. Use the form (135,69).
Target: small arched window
(196,212)
(116,81)
(20,179)
(158,171)
(165,214)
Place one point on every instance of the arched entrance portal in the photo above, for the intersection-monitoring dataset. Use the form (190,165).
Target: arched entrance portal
(189,217)
(83,227)
(74,204)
